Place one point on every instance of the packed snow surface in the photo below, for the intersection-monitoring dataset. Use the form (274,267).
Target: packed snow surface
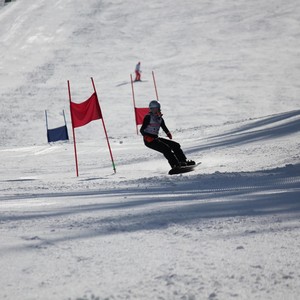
(227,75)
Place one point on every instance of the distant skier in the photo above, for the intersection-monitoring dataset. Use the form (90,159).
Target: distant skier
(138,72)
(170,149)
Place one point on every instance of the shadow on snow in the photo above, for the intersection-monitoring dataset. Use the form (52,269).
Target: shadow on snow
(192,199)
(251,132)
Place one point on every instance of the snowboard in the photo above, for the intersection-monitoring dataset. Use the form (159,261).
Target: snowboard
(183,169)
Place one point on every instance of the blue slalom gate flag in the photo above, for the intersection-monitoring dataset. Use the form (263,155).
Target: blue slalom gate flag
(57,134)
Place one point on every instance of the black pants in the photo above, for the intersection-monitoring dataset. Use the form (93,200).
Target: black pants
(170,149)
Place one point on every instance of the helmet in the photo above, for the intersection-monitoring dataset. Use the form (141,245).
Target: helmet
(154,104)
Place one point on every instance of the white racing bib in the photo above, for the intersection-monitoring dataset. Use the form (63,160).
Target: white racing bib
(153,127)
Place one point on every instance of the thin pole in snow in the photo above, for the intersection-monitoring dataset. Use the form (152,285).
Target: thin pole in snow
(133,99)
(73,130)
(47,124)
(108,144)
(64,117)
(46,119)
(67,135)
(155,86)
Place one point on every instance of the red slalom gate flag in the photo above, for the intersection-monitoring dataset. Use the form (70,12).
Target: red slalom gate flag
(140,114)
(85,112)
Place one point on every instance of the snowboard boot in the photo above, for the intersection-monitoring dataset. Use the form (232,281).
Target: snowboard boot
(187,163)
(176,166)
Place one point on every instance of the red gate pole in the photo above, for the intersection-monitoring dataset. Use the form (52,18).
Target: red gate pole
(155,86)
(133,98)
(74,138)
(108,144)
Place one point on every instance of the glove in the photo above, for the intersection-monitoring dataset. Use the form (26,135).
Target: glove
(148,138)
(169,135)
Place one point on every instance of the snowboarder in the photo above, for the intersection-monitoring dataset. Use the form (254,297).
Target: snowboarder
(170,149)
(138,72)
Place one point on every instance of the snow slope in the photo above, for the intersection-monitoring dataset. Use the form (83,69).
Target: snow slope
(228,80)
